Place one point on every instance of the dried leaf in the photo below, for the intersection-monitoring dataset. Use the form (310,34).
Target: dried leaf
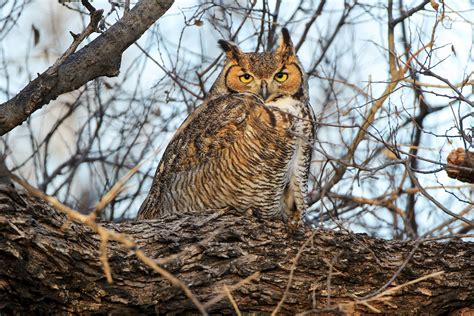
(434,4)
(389,154)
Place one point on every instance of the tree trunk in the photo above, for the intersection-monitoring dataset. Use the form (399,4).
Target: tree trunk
(51,264)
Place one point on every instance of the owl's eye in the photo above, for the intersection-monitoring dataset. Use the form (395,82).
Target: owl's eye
(246,78)
(281,77)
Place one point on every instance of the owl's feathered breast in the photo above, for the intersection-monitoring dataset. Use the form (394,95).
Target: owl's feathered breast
(232,151)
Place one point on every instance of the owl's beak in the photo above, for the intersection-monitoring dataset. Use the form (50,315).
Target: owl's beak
(264,90)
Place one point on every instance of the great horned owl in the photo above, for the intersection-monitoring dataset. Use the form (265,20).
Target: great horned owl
(248,146)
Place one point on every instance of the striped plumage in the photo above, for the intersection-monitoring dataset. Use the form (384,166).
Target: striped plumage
(247,147)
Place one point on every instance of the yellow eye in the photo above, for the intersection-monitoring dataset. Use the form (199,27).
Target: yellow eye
(281,77)
(246,78)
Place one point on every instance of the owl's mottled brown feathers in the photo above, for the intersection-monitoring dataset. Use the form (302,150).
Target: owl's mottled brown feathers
(247,147)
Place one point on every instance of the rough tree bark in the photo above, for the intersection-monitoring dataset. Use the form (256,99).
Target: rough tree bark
(50,264)
(102,57)
(461,158)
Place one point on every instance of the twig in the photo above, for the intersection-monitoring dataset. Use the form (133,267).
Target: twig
(127,6)
(432,199)
(114,191)
(385,295)
(104,239)
(96,16)
(465,211)
(308,24)
(231,299)
(410,12)
(231,288)
(464,83)
(395,275)
(393,290)
(292,271)
(88,6)
(330,274)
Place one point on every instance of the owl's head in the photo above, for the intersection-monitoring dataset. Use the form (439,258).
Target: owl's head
(268,75)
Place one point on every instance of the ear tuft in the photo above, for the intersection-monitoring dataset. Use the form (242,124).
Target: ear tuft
(285,47)
(285,34)
(231,50)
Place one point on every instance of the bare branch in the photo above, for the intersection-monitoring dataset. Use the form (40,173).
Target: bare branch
(102,57)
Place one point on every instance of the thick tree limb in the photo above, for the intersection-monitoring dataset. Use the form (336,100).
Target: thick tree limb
(50,264)
(102,57)
(462,158)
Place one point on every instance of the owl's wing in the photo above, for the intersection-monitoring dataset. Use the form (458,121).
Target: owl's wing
(201,142)
(214,126)
(235,132)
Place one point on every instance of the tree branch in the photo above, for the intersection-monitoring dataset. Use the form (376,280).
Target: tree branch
(50,263)
(410,12)
(461,157)
(102,57)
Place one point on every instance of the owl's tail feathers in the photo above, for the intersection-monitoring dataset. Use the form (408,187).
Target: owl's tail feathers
(148,210)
